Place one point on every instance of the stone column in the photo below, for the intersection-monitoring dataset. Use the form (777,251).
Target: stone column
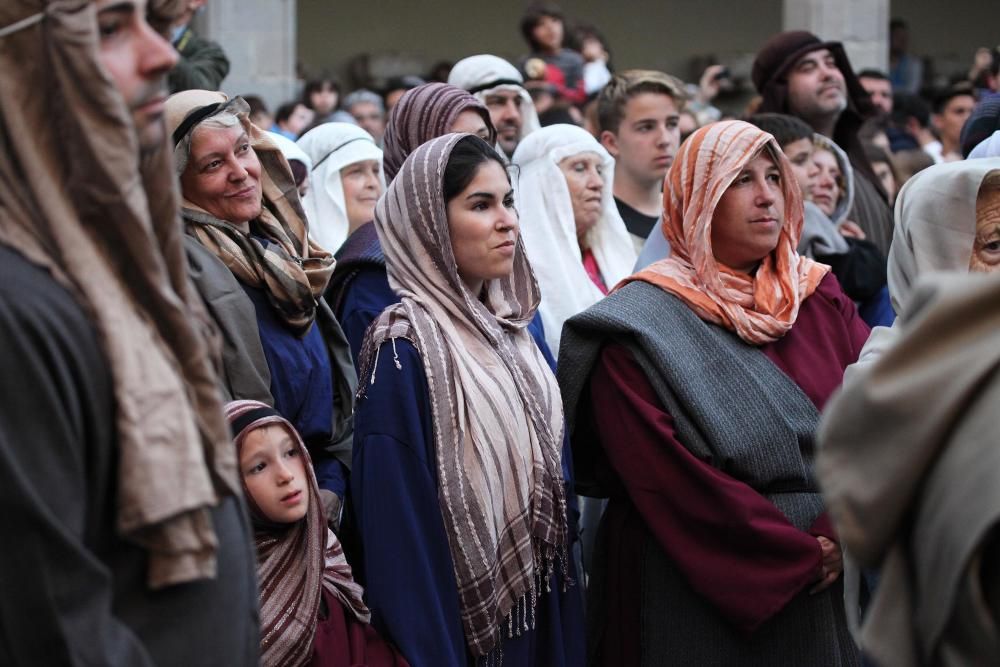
(259,37)
(862,26)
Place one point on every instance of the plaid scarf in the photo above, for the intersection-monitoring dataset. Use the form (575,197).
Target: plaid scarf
(496,411)
(290,268)
(294,563)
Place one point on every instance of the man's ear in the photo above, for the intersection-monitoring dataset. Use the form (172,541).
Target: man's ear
(609,140)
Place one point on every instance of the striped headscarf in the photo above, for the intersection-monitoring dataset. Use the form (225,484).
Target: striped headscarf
(759,308)
(423,113)
(289,267)
(294,562)
(496,410)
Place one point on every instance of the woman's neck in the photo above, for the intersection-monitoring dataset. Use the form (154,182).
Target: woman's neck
(475,286)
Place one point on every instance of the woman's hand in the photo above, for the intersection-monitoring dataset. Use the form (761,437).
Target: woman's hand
(851,230)
(832,564)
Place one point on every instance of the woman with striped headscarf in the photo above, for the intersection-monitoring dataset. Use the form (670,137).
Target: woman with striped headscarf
(359,290)
(693,394)
(460,484)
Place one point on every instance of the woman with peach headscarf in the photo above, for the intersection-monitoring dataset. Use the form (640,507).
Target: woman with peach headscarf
(693,392)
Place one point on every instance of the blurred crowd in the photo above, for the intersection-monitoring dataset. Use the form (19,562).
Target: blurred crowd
(541,363)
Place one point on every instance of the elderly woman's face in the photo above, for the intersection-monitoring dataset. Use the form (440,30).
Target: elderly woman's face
(223,174)
(585,179)
(748,219)
(362,189)
(986,247)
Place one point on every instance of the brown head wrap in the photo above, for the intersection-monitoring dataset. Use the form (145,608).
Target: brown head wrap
(78,201)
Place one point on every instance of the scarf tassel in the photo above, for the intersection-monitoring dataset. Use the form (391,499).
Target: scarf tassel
(524,614)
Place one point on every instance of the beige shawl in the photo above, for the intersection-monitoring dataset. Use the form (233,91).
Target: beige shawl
(496,410)
(909,464)
(77,201)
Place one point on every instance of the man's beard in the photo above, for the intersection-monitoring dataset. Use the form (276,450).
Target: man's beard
(149,131)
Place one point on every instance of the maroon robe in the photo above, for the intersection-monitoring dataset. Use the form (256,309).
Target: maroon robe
(344,641)
(735,548)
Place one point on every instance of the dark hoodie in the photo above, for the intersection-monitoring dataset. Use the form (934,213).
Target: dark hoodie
(774,60)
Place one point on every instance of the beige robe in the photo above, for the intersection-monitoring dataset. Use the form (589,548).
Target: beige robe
(910,468)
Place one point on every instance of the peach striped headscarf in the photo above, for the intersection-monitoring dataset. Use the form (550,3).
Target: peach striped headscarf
(761,307)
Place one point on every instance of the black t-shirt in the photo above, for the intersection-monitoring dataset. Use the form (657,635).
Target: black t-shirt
(637,224)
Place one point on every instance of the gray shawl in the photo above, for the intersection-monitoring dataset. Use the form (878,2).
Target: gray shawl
(733,408)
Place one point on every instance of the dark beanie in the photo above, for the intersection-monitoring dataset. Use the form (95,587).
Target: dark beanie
(773,62)
(781,52)
(784,128)
(984,121)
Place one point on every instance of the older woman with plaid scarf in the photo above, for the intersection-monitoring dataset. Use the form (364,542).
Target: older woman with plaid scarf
(263,278)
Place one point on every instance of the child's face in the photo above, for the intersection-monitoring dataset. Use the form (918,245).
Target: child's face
(592,50)
(274,473)
(800,154)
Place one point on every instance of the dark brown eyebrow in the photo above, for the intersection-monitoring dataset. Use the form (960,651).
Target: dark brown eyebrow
(481,195)
(124,6)
(488,195)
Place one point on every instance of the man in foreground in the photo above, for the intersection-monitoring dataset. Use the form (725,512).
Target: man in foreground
(129,544)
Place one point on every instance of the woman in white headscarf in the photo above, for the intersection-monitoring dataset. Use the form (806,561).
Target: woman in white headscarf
(346,181)
(576,240)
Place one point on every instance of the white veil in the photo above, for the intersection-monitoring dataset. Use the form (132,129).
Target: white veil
(549,227)
(333,146)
